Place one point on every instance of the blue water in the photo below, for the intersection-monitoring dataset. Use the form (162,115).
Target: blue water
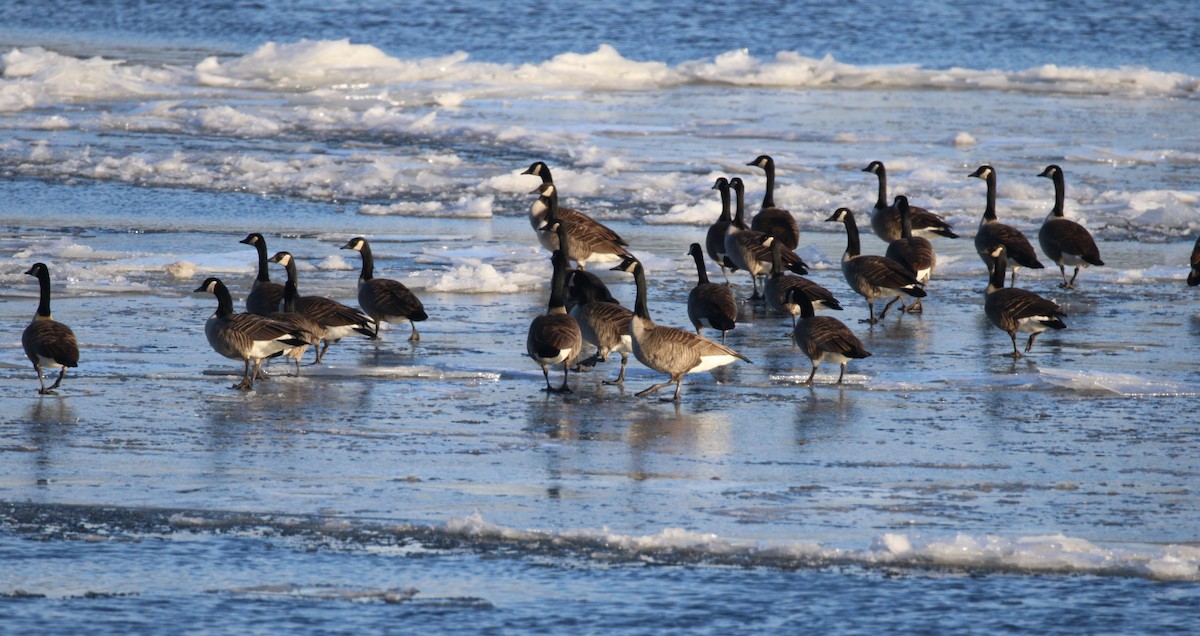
(431,487)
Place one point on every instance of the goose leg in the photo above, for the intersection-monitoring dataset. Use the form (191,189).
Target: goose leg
(1015,354)
(842,374)
(871,309)
(416,335)
(1071,285)
(621,376)
(887,307)
(1063,269)
(915,308)
(247,379)
(41,380)
(59,380)
(564,388)
(811,375)
(678,389)
(1029,345)
(653,388)
(546,374)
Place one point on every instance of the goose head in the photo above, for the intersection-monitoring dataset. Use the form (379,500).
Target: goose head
(357,244)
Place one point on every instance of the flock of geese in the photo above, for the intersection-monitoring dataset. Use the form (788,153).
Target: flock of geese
(581,311)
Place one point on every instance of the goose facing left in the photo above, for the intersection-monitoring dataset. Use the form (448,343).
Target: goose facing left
(992,233)
(594,240)
(1064,241)
(1018,310)
(265,297)
(710,304)
(47,342)
(554,337)
(873,276)
(338,320)
(666,349)
(384,299)
(247,337)
(824,338)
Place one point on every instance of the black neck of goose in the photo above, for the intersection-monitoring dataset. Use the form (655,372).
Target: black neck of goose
(224,300)
(639,303)
(561,232)
(701,273)
(291,270)
(769,194)
(801,299)
(544,173)
(989,212)
(558,284)
(853,248)
(725,207)
(1060,193)
(739,216)
(368,262)
(881,201)
(43,309)
(905,222)
(264,274)
(289,296)
(999,264)
(776,258)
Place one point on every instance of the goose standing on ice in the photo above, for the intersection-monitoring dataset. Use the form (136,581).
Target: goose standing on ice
(265,296)
(383,299)
(772,219)
(1064,241)
(824,338)
(555,337)
(1012,309)
(603,322)
(885,218)
(873,276)
(779,286)
(666,349)
(710,304)
(336,319)
(47,342)
(914,252)
(750,249)
(714,240)
(1193,278)
(299,324)
(593,240)
(992,233)
(247,337)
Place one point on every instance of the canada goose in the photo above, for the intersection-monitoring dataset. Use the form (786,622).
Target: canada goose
(1193,278)
(666,349)
(710,304)
(873,276)
(601,242)
(779,286)
(264,297)
(824,338)
(750,249)
(771,219)
(603,322)
(1064,241)
(299,324)
(1012,309)
(554,337)
(336,319)
(714,241)
(588,241)
(914,252)
(597,290)
(993,233)
(47,342)
(382,298)
(885,219)
(247,337)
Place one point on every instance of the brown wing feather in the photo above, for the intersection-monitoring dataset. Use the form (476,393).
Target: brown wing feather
(391,298)
(330,313)
(1072,238)
(779,223)
(50,339)
(551,333)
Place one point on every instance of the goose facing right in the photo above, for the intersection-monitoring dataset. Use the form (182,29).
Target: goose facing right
(247,337)
(1018,310)
(1064,241)
(992,233)
(885,218)
(666,349)
(873,276)
(824,338)
(383,299)
(47,342)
